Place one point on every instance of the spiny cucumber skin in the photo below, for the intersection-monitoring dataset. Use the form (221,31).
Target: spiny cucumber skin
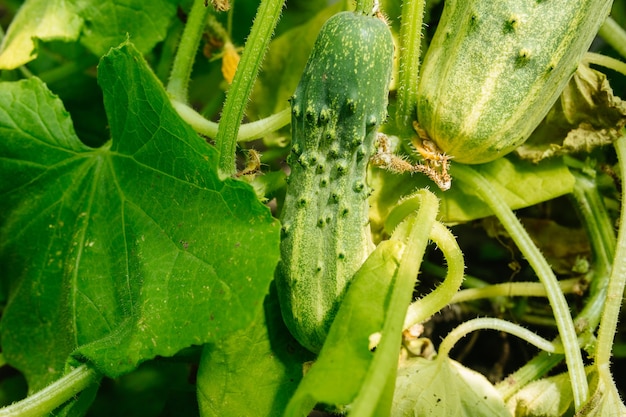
(494,69)
(337,107)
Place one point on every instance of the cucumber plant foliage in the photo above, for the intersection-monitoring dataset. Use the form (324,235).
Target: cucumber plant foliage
(141,276)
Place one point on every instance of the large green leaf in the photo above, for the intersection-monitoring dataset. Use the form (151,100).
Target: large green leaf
(107,23)
(125,252)
(99,24)
(260,365)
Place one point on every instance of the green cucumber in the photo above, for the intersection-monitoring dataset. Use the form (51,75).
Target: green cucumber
(494,69)
(336,110)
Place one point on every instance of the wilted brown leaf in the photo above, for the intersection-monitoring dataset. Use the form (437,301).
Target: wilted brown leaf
(586,115)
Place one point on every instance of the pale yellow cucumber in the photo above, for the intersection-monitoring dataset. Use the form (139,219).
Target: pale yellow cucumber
(495,67)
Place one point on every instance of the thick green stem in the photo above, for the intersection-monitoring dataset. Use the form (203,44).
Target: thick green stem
(483,189)
(45,401)
(513,289)
(614,35)
(606,62)
(597,221)
(602,238)
(409,62)
(164,66)
(441,296)
(495,324)
(601,234)
(617,281)
(247,132)
(181,70)
(412,233)
(260,35)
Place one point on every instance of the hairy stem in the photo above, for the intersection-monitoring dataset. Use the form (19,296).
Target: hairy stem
(409,62)
(483,189)
(606,62)
(411,233)
(513,289)
(45,401)
(178,84)
(496,324)
(260,35)
(247,132)
(602,238)
(617,281)
(425,307)
(65,71)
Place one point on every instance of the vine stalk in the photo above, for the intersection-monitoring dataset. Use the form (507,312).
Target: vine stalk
(178,83)
(602,238)
(409,62)
(614,35)
(54,395)
(617,282)
(425,307)
(411,233)
(513,289)
(264,24)
(473,180)
(606,62)
(495,324)
(247,131)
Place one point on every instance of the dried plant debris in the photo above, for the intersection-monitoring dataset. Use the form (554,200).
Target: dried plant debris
(587,115)
(435,164)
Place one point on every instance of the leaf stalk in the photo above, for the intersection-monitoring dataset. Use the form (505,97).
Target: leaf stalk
(473,180)
(54,395)
(178,84)
(238,94)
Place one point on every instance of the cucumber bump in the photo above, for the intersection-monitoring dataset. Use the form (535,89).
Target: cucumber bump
(494,69)
(336,110)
